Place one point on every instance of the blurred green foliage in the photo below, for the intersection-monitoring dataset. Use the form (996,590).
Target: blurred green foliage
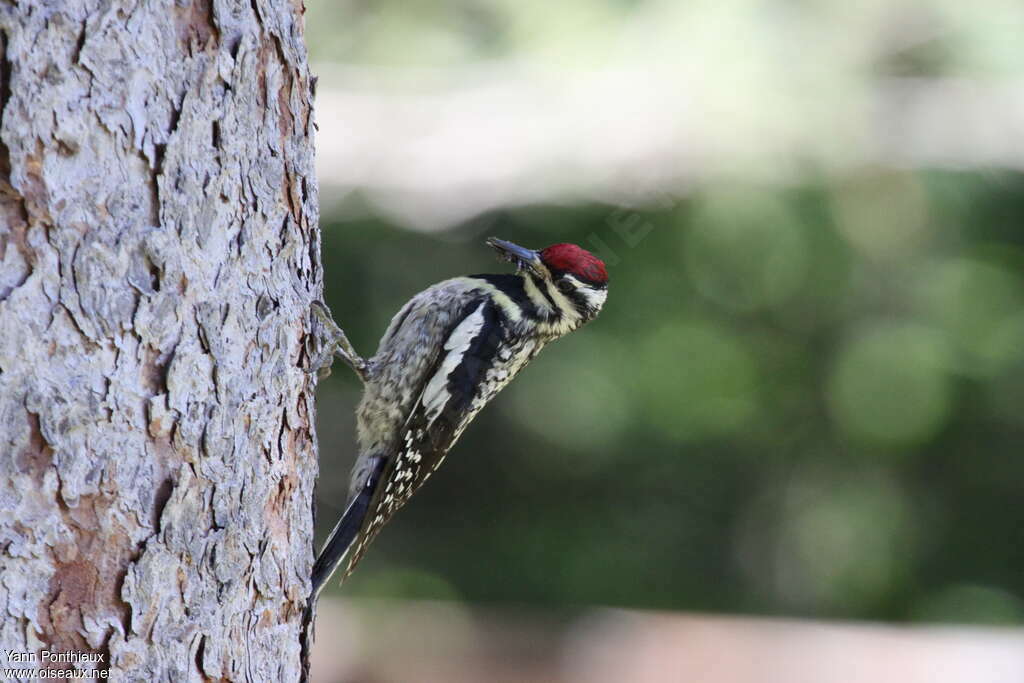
(801,400)
(797,401)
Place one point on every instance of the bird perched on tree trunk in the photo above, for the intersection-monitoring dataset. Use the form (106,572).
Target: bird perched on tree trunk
(447,352)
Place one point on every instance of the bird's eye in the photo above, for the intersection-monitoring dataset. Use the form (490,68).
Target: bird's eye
(565,287)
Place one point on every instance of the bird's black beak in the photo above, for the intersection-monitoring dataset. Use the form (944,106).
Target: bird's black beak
(521,256)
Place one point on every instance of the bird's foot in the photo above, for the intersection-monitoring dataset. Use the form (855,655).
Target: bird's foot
(327,341)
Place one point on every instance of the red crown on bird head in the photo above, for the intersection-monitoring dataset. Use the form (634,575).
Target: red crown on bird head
(576,261)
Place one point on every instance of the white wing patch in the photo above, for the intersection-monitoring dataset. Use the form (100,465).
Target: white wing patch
(435,394)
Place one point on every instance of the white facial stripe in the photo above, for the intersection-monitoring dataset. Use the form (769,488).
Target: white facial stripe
(535,295)
(595,297)
(567,307)
(571,279)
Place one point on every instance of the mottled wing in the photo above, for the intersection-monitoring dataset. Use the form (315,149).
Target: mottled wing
(449,399)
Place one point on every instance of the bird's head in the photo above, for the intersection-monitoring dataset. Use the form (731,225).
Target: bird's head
(571,275)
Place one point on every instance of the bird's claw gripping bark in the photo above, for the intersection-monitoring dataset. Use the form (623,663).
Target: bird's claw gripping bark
(327,341)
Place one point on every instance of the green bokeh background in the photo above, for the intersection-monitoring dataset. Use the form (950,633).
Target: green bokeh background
(799,400)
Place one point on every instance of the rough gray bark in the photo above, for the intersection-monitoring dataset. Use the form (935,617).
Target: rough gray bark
(158,255)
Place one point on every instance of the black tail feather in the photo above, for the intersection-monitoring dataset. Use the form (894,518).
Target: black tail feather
(331,555)
(345,531)
(339,541)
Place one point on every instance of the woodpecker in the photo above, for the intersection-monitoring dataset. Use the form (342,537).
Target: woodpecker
(444,356)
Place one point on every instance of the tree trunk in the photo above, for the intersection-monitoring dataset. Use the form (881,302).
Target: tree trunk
(159,251)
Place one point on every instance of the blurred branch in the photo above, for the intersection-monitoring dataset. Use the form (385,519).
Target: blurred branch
(435,642)
(432,147)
